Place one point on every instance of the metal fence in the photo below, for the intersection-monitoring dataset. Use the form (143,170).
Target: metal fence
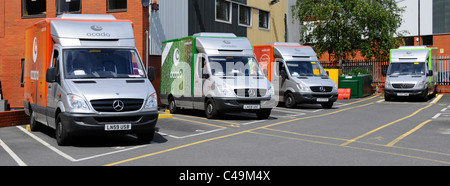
(378,69)
(443,70)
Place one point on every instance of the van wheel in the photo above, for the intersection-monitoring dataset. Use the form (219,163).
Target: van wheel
(34,125)
(327,105)
(62,137)
(211,109)
(289,100)
(173,106)
(146,137)
(263,114)
(425,96)
(387,98)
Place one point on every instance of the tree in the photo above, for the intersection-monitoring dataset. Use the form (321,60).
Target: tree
(344,27)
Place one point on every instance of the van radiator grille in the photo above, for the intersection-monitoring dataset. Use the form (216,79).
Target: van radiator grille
(250,92)
(403,85)
(321,89)
(112,105)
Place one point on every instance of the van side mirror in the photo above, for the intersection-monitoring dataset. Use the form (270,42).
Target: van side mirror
(430,73)
(51,75)
(151,74)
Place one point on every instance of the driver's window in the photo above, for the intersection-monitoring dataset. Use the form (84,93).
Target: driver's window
(55,61)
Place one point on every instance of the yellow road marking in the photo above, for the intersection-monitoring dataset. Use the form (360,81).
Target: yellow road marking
(175,148)
(391,123)
(227,122)
(351,147)
(199,122)
(234,134)
(392,143)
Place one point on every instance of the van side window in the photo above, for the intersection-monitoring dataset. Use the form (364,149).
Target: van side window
(55,61)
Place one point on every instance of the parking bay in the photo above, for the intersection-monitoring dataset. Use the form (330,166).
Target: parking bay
(308,126)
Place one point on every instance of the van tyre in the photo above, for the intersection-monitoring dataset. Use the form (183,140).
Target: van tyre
(211,109)
(327,105)
(289,100)
(146,137)
(173,106)
(387,98)
(61,134)
(425,96)
(264,114)
(34,125)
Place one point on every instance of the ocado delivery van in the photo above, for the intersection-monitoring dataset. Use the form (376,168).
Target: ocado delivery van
(214,72)
(84,76)
(412,73)
(296,74)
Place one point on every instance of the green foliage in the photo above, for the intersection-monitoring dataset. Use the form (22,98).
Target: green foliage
(359,71)
(344,27)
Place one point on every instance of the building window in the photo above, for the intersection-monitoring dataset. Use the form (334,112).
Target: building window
(34,8)
(68,6)
(245,16)
(117,5)
(427,40)
(264,19)
(223,11)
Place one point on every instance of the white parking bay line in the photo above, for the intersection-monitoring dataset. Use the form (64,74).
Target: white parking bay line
(12,154)
(68,157)
(46,144)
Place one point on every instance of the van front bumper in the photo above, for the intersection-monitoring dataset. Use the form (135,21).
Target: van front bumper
(94,124)
(315,97)
(402,92)
(237,104)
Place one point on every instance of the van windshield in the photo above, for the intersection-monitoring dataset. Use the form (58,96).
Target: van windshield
(305,68)
(234,66)
(102,63)
(407,68)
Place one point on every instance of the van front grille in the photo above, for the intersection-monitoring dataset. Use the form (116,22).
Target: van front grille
(321,89)
(250,92)
(117,105)
(404,85)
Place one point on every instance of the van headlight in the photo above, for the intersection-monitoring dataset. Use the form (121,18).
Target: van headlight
(387,84)
(421,84)
(77,104)
(271,91)
(335,88)
(303,88)
(225,91)
(152,103)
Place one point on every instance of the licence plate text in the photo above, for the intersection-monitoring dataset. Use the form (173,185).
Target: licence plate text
(402,94)
(322,99)
(252,107)
(117,127)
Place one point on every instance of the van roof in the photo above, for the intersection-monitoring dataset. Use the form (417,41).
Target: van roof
(87,16)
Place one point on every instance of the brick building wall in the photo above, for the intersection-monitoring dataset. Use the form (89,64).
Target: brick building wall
(12,37)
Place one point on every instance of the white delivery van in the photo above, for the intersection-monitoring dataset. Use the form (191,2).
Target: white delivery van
(84,76)
(214,72)
(296,74)
(412,72)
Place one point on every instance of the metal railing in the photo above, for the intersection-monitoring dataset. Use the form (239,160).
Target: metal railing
(378,69)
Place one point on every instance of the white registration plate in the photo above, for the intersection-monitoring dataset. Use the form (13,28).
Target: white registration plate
(402,94)
(117,127)
(252,107)
(322,99)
